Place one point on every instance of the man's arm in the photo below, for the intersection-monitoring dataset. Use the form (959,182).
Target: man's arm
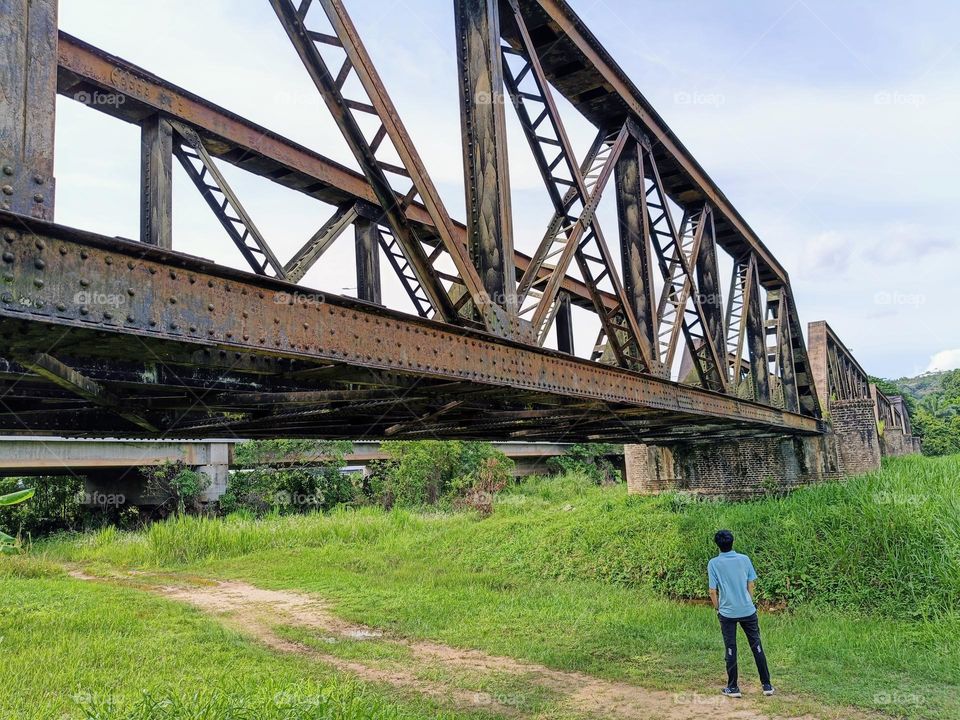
(713,583)
(751,584)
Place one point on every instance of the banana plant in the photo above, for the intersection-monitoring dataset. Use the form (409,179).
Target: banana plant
(7,543)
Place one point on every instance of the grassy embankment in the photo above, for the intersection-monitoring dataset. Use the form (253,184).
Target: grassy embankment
(568,575)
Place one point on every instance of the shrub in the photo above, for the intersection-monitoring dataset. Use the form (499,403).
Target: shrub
(590,459)
(290,476)
(426,471)
(177,487)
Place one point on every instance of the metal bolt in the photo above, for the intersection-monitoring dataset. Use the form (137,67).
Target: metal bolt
(131,318)
(108,316)
(8,169)
(40,244)
(84,283)
(38,282)
(9,236)
(38,198)
(84,254)
(39,264)
(210,307)
(38,179)
(61,307)
(84,310)
(6,297)
(131,292)
(8,257)
(7,189)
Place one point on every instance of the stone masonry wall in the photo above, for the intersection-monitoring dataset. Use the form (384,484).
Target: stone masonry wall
(858,441)
(736,469)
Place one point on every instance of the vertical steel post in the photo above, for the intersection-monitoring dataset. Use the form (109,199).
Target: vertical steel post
(156,182)
(28,92)
(757,343)
(634,243)
(368,260)
(486,169)
(564,323)
(708,288)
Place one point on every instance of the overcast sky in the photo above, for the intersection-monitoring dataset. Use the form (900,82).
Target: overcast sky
(832,127)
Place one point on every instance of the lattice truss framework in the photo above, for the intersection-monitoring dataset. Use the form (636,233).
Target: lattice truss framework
(655,289)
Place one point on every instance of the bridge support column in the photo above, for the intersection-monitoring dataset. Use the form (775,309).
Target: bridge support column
(217,470)
(858,439)
(737,469)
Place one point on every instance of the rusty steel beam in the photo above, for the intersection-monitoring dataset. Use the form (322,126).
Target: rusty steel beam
(636,254)
(368,261)
(307,256)
(156,182)
(484,131)
(28,42)
(85,69)
(757,341)
(183,302)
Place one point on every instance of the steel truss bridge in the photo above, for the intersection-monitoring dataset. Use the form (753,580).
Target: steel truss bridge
(199,349)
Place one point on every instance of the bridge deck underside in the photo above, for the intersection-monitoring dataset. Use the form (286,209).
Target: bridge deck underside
(101,336)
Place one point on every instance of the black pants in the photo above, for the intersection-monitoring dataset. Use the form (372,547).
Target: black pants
(751,628)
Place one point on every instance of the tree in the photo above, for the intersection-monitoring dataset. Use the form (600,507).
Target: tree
(8,543)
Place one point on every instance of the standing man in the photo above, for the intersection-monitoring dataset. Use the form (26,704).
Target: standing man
(732,579)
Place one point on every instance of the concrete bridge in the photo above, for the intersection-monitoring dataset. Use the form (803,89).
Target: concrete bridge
(110,467)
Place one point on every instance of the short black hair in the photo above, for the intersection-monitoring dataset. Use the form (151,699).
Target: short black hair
(724,540)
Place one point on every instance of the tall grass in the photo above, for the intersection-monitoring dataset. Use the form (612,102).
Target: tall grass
(888,541)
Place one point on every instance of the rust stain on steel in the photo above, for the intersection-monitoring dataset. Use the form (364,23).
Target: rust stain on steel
(178,297)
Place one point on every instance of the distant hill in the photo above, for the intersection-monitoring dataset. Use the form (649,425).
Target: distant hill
(926,384)
(933,400)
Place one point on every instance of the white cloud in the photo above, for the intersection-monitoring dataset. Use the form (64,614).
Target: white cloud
(945,360)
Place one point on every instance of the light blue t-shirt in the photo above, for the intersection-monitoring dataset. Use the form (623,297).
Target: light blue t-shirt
(729,572)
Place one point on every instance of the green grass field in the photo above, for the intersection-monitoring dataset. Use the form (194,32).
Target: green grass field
(862,579)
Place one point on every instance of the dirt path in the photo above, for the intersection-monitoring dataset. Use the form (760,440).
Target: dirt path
(263,613)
